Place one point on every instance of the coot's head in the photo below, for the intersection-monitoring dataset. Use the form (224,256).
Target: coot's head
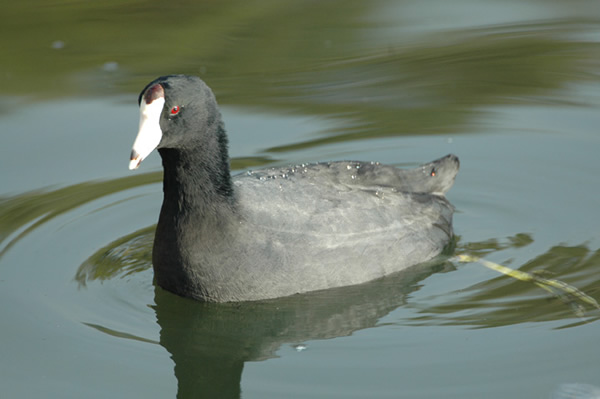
(176,111)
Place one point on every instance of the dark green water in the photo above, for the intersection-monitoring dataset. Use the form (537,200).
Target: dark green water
(512,88)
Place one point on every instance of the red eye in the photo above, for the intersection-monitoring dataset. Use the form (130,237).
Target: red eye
(175,110)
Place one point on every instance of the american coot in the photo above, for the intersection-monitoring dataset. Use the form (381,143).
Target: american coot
(279,231)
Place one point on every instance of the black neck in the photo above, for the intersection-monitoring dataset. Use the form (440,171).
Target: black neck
(197,181)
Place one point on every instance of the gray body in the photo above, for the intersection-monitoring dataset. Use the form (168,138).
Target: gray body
(313,227)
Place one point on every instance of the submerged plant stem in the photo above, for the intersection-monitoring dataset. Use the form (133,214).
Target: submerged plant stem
(550,285)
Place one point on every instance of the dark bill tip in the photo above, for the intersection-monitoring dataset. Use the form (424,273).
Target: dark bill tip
(134,160)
